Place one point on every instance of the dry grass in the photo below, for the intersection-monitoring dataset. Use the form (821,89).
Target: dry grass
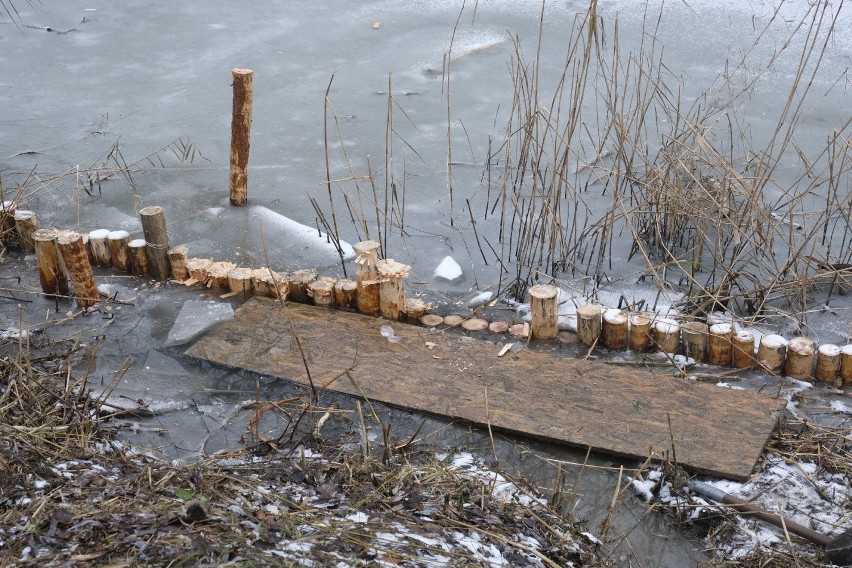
(71,492)
(701,204)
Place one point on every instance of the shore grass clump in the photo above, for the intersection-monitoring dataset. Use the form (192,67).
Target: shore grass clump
(702,201)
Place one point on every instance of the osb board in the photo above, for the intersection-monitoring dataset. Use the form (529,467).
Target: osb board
(613,409)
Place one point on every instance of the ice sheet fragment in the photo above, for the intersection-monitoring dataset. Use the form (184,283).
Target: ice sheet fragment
(196,317)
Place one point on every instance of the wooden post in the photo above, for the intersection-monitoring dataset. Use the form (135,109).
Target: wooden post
(720,350)
(742,350)
(239,280)
(392,289)
(666,336)
(154,228)
(137,257)
(50,272)
(119,254)
(369,297)
(217,275)
(322,292)
(366,269)
(828,364)
(346,294)
(614,331)
(99,247)
(298,283)
(772,352)
(588,325)
(197,268)
(694,335)
(640,332)
(800,358)
(177,263)
(241,135)
(8,235)
(846,365)
(73,252)
(414,309)
(25,225)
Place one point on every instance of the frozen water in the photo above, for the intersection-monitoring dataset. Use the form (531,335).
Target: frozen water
(163,364)
(195,317)
(448,269)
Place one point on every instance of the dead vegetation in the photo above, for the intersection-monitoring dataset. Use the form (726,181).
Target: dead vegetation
(72,493)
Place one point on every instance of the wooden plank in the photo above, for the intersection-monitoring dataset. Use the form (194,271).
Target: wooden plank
(621,411)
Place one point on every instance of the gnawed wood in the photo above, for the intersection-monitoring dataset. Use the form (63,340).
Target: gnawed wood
(616,410)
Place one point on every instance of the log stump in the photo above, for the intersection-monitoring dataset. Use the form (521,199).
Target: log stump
(720,349)
(544,309)
(772,353)
(119,253)
(694,337)
(828,365)
(640,332)
(614,329)
(666,336)
(588,325)
(742,350)
(800,358)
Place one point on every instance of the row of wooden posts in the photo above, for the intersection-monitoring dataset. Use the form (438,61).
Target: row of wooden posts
(716,342)
(379,288)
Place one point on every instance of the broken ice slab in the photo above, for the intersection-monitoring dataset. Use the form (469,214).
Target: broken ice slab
(196,317)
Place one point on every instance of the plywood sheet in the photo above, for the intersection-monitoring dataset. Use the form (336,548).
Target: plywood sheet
(613,409)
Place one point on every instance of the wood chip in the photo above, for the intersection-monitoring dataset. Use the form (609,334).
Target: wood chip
(431,320)
(505,349)
(499,326)
(475,324)
(453,320)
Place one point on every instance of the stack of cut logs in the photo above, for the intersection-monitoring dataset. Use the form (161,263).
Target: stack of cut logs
(378,288)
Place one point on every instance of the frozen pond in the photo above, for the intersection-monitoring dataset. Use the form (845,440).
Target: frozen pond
(92,91)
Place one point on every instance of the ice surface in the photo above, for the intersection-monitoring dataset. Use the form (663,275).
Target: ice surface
(196,317)
(163,364)
(448,269)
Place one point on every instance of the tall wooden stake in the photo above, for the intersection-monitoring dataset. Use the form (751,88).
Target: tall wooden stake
(70,245)
(157,239)
(240,135)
